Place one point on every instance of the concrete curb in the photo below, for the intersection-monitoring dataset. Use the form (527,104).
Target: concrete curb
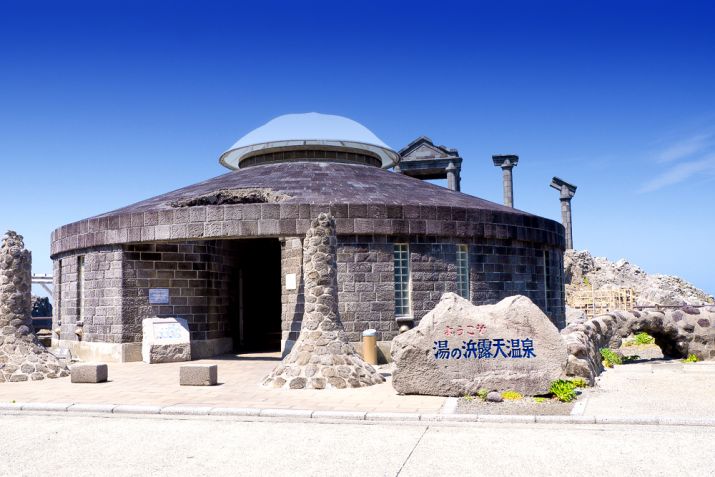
(376,417)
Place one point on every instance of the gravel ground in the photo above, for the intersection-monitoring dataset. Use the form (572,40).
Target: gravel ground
(526,406)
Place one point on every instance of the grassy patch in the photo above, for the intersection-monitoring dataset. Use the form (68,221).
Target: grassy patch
(610,358)
(511,395)
(691,359)
(564,390)
(644,339)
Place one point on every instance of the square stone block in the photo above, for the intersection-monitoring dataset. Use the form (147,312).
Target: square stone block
(89,373)
(198,375)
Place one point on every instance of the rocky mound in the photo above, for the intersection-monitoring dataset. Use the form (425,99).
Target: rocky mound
(584,270)
(41,307)
(322,356)
(22,356)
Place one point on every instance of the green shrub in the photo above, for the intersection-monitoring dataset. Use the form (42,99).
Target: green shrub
(691,359)
(482,394)
(610,358)
(468,397)
(579,382)
(644,339)
(511,395)
(564,390)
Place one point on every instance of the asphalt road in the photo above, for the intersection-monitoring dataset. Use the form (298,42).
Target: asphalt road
(82,445)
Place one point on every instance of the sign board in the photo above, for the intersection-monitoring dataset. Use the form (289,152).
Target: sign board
(158,296)
(165,340)
(291,282)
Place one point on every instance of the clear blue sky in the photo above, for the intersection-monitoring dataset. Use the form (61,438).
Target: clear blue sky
(106,103)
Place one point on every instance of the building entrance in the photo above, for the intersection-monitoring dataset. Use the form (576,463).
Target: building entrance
(257,294)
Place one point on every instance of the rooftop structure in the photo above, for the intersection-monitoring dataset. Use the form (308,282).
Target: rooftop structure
(300,136)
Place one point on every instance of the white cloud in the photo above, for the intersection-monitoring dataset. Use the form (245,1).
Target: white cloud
(686,148)
(680,173)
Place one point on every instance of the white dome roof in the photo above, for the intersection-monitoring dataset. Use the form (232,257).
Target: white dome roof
(308,129)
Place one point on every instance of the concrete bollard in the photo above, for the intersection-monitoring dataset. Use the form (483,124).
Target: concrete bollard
(198,375)
(369,346)
(89,373)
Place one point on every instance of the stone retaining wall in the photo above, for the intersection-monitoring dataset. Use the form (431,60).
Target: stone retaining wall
(678,333)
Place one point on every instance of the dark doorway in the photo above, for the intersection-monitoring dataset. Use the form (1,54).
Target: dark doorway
(257,293)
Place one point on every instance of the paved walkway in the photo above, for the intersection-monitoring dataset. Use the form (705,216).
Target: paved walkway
(657,388)
(239,377)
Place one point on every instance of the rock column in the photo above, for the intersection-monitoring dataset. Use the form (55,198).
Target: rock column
(22,357)
(322,356)
(566,193)
(507,163)
(453,179)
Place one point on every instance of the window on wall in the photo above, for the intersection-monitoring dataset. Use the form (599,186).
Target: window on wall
(80,288)
(58,293)
(463,271)
(402,279)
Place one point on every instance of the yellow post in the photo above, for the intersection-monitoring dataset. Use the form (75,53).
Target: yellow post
(369,346)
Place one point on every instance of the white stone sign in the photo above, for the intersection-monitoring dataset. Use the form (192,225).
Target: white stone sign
(166,340)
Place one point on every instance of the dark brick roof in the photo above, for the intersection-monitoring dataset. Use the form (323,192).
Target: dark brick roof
(326,183)
(364,200)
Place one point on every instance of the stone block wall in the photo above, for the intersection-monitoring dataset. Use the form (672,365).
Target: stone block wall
(292,301)
(434,272)
(197,275)
(366,291)
(501,268)
(200,277)
(498,269)
(102,316)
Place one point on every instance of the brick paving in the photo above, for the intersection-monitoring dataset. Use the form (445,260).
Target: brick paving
(138,383)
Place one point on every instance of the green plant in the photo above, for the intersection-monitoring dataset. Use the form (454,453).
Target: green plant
(610,357)
(482,394)
(691,359)
(644,339)
(468,397)
(586,281)
(564,390)
(539,399)
(511,395)
(579,382)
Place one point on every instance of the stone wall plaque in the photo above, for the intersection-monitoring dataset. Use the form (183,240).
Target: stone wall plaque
(166,340)
(459,348)
(158,296)
(291,281)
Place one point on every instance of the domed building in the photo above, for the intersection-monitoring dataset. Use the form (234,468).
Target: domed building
(226,254)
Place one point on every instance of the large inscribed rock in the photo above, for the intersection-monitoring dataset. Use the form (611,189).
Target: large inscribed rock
(459,348)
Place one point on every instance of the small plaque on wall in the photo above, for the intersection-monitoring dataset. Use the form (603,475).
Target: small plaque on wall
(291,281)
(158,296)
